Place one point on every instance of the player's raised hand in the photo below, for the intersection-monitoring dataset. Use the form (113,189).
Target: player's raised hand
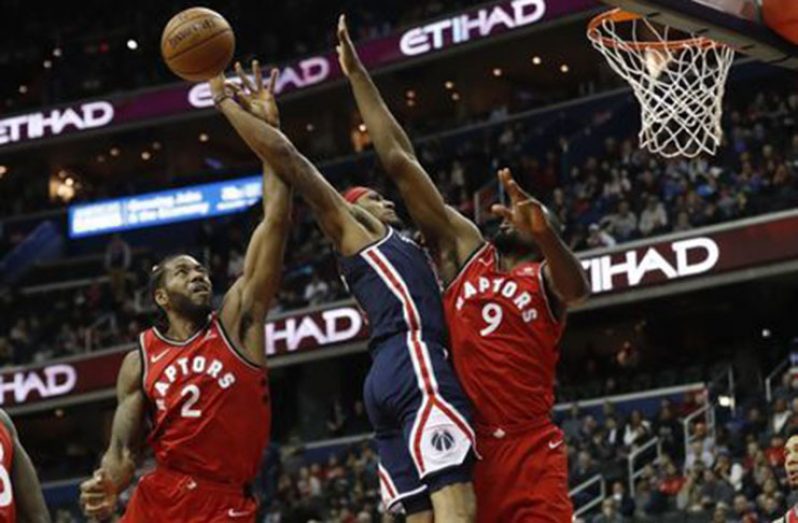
(98,496)
(347,54)
(256,98)
(525,212)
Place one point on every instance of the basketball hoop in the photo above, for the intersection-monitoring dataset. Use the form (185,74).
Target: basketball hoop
(679,83)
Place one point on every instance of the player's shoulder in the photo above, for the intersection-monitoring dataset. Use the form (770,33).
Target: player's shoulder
(7,423)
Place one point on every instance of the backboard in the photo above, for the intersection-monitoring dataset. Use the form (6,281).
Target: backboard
(734,22)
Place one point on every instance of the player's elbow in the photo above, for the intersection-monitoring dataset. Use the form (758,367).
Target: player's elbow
(579,292)
(397,160)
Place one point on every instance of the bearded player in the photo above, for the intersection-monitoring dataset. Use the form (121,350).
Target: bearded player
(419,413)
(505,306)
(200,379)
(20,492)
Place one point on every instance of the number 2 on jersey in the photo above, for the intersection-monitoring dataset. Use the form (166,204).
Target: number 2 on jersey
(492,314)
(193,393)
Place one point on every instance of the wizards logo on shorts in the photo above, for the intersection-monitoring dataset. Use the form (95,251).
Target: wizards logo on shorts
(442,440)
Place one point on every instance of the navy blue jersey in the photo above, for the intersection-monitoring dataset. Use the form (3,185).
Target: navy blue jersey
(395,284)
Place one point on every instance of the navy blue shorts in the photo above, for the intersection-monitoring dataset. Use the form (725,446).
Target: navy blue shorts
(422,421)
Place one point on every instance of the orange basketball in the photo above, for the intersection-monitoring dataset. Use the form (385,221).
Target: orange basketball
(197,44)
(782,17)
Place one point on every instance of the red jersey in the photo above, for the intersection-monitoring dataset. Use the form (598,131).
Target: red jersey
(8,509)
(504,339)
(209,407)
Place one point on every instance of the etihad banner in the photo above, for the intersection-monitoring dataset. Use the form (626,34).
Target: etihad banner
(705,252)
(177,99)
(710,251)
(334,326)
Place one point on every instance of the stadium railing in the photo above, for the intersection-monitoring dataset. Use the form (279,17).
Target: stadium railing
(596,500)
(631,460)
(775,374)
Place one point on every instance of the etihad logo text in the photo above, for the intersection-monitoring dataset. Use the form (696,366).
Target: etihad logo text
(465,27)
(314,330)
(57,121)
(668,261)
(54,380)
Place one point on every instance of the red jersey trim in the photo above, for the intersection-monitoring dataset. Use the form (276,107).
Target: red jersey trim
(469,260)
(231,346)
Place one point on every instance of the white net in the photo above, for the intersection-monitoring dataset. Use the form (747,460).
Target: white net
(679,83)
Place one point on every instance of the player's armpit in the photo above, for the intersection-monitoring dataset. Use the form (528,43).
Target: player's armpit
(247,301)
(465,240)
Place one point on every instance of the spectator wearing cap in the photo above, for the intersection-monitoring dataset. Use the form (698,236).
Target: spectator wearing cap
(598,237)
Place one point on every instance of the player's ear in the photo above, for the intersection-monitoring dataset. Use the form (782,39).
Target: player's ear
(161,297)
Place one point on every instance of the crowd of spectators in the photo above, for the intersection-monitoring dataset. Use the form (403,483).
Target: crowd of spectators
(605,198)
(78,53)
(730,473)
(733,474)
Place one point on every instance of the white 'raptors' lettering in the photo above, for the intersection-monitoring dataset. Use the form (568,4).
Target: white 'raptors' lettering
(198,365)
(498,287)
(6,492)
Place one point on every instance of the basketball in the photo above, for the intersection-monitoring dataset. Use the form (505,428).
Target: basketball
(197,44)
(782,17)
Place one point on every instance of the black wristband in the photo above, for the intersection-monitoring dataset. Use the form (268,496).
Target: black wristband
(218,99)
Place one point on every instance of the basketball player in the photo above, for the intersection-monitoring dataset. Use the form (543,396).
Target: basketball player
(505,306)
(200,378)
(20,493)
(413,400)
(791,467)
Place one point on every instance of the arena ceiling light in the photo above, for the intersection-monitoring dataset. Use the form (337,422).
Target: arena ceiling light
(203,137)
(3,170)
(449,85)
(57,52)
(564,68)
(537,60)
(23,89)
(132,44)
(497,72)
(47,64)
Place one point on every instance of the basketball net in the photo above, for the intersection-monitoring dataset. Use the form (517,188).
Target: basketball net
(679,83)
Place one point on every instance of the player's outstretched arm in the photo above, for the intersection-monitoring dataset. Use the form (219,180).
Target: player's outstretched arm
(98,494)
(332,212)
(563,272)
(441,225)
(247,302)
(27,490)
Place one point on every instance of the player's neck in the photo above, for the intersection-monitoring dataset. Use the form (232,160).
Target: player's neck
(508,262)
(181,329)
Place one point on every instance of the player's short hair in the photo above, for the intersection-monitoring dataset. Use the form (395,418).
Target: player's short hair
(156,281)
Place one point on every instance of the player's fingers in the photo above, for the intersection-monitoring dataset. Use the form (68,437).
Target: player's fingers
(342,27)
(273,76)
(510,187)
(501,210)
(240,94)
(244,78)
(258,75)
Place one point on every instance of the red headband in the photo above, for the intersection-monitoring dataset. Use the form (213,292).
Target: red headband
(353,194)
